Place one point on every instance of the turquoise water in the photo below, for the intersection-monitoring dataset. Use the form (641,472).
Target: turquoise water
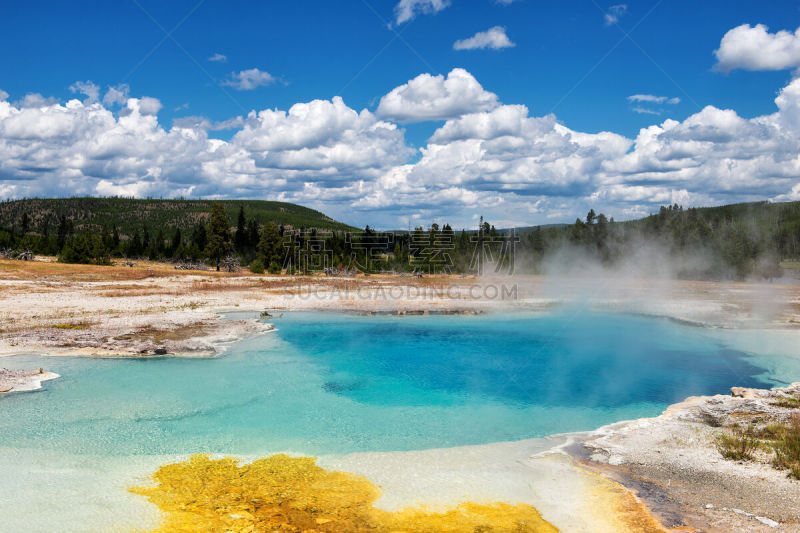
(335,383)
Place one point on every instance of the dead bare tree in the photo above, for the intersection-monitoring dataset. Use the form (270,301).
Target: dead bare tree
(230,264)
(340,272)
(188,265)
(20,255)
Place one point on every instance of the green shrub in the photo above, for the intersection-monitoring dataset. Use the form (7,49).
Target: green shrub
(257,266)
(71,325)
(780,438)
(788,402)
(85,248)
(787,448)
(738,445)
(274,268)
(773,431)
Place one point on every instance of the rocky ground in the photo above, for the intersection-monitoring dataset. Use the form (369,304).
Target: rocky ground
(23,380)
(119,311)
(675,463)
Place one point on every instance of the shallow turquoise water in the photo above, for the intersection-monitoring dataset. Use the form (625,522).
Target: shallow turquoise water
(334,383)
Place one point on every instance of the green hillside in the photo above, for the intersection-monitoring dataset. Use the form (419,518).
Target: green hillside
(128,215)
(729,241)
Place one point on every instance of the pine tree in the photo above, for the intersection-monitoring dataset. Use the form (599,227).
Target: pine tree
(199,237)
(158,245)
(135,245)
(270,246)
(176,241)
(63,233)
(46,235)
(85,248)
(218,234)
(538,240)
(108,241)
(145,239)
(252,233)
(241,231)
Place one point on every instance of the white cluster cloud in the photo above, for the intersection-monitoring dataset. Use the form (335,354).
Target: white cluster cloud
(247,80)
(485,157)
(218,58)
(206,124)
(754,48)
(507,151)
(650,99)
(406,10)
(614,13)
(69,149)
(36,100)
(82,148)
(494,38)
(653,99)
(429,97)
(86,88)
(147,105)
(321,136)
(504,157)
(117,95)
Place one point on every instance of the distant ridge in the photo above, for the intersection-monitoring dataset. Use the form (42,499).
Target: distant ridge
(761,213)
(526,229)
(129,214)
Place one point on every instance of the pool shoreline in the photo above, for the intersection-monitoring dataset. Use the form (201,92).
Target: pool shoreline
(23,381)
(487,472)
(195,318)
(672,462)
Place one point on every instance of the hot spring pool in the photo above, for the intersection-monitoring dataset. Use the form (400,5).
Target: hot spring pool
(331,383)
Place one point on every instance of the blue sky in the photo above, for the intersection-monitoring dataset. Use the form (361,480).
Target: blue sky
(579,60)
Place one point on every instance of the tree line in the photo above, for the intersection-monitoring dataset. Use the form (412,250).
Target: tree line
(726,242)
(734,241)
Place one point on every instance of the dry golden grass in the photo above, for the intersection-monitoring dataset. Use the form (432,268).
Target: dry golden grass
(10,269)
(73,325)
(139,291)
(35,270)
